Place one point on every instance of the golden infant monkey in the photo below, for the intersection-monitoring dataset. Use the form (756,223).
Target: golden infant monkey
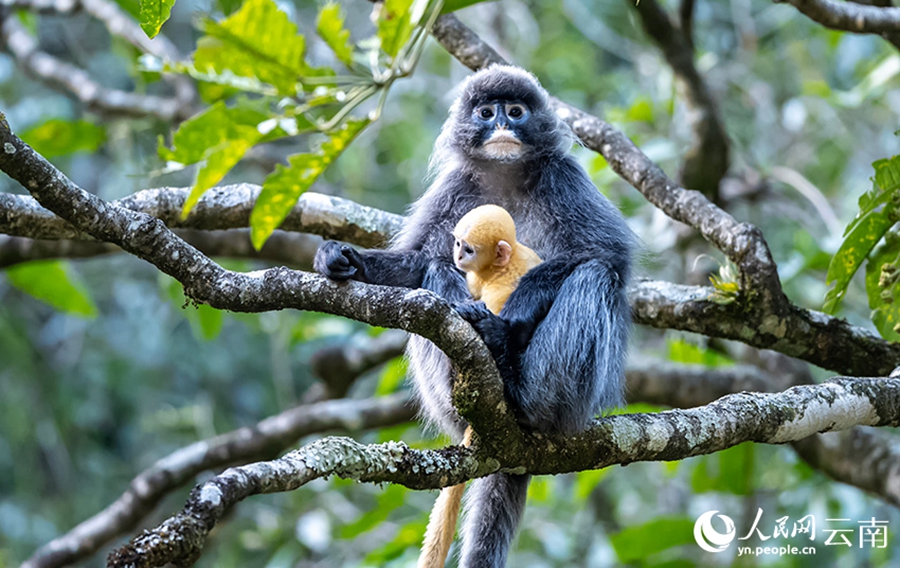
(486,249)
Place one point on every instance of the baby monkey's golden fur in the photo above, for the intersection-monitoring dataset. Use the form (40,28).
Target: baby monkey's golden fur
(486,249)
(496,261)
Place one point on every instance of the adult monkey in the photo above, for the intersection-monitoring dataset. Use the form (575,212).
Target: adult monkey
(560,340)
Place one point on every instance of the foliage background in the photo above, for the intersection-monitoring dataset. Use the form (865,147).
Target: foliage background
(89,401)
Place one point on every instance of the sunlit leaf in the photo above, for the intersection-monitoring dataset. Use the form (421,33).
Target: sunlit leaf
(330,26)
(635,543)
(58,137)
(51,282)
(154,14)
(219,137)
(258,41)
(283,187)
(856,246)
(395,25)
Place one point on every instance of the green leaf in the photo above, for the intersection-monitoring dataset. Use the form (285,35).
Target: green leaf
(154,14)
(884,302)
(219,137)
(283,187)
(58,137)
(856,246)
(454,5)
(258,41)
(885,185)
(887,173)
(330,26)
(51,282)
(635,543)
(395,25)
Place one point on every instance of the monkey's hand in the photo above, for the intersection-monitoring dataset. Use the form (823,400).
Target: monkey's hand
(339,262)
(493,329)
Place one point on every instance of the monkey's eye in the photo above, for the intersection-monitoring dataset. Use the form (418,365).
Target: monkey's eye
(469,250)
(485,112)
(516,111)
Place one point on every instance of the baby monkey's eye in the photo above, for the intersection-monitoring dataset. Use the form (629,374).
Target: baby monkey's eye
(469,250)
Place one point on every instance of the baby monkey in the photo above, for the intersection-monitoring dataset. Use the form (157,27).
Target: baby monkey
(486,249)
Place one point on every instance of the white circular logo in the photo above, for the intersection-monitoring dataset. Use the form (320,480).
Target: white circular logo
(708,538)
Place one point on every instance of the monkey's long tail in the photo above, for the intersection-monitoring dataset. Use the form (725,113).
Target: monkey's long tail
(442,521)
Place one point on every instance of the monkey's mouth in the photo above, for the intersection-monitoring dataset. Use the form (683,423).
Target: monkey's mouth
(503,144)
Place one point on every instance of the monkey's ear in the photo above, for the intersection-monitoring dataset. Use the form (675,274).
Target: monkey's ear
(504,252)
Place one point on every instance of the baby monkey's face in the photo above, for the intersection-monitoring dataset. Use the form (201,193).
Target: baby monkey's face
(465,256)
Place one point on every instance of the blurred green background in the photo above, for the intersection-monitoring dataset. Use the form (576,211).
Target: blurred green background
(120,372)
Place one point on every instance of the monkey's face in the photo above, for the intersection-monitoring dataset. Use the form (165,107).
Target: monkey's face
(500,125)
(465,256)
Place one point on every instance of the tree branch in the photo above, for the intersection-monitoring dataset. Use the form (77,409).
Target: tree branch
(706,161)
(292,249)
(817,338)
(76,81)
(850,17)
(477,390)
(741,242)
(226,207)
(823,340)
(768,418)
(267,438)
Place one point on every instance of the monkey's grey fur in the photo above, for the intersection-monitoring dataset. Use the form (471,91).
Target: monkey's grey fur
(560,340)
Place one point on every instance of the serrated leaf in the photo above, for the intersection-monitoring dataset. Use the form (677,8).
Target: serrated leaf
(58,137)
(395,25)
(154,14)
(330,26)
(283,187)
(856,246)
(258,41)
(635,543)
(51,282)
